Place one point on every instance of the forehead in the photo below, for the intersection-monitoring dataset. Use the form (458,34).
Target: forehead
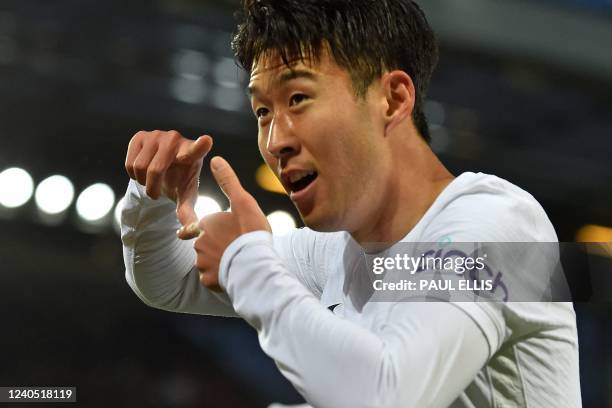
(271,68)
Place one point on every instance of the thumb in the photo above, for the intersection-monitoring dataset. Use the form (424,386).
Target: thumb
(195,150)
(185,202)
(185,211)
(228,181)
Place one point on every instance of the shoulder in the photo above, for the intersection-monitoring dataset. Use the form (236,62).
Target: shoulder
(313,253)
(309,241)
(483,207)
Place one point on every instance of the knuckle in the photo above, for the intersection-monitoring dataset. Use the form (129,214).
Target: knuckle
(201,264)
(150,191)
(139,167)
(174,136)
(139,135)
(242,200)
(145,138)
(225,179)
(154,171)
(224,184)
(247,198)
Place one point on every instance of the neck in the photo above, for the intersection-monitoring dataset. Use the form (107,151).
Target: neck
(414,178)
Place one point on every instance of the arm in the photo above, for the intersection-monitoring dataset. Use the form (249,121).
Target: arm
(424,354)
(160,268)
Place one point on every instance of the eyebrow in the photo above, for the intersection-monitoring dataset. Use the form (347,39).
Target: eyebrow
(285,77)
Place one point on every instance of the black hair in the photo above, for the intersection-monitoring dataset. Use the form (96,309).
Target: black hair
(365,37)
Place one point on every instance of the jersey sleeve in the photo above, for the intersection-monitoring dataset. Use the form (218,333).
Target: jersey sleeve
(420,354)
(160,268)
(504,223)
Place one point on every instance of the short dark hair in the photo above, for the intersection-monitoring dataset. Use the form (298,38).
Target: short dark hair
(365,37)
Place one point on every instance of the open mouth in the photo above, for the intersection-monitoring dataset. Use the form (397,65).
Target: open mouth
(303,182)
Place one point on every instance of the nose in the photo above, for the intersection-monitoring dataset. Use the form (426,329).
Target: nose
(282,141)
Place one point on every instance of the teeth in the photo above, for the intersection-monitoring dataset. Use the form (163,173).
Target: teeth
(299,175)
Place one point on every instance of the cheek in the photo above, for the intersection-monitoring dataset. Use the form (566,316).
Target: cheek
(270,160)
(265,154)
(261,143)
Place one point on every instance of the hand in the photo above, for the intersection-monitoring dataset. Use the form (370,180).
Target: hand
(216,231)
(168,164)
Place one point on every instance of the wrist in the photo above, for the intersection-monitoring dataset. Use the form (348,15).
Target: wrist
(233,250)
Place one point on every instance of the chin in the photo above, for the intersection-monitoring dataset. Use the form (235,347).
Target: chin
(321,222)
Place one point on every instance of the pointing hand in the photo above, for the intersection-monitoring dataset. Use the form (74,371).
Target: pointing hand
(168,164)
(216,231)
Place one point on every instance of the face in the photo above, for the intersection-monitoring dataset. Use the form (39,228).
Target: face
(323,142)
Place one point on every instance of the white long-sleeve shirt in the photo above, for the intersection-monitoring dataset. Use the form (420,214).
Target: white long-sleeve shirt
(365,353)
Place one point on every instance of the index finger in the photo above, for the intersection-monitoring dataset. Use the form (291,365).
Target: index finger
(226,178)
(134,147)
(191,151)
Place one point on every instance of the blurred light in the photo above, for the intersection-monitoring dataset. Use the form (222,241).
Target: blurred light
(267,180)
(16,187)
(440,140)
(118,209)
(229,99)
(435,112)
(226,73)
(95,202)
(594,233)
(600,238)
(188,90)
(206,205)
(281,222)
(54,194)
(190,64)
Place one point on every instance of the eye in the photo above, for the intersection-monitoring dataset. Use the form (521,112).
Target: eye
(297,98)
(261,112)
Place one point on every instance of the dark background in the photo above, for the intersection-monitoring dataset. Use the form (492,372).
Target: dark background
(523,91)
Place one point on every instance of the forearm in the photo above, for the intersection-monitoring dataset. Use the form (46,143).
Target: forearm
(413,360)
(159,267)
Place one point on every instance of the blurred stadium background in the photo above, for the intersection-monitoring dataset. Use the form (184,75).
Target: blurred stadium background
(523,91)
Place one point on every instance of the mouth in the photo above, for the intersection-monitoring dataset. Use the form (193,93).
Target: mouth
(299,182)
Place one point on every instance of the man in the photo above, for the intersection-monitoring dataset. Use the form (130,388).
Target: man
(338,89)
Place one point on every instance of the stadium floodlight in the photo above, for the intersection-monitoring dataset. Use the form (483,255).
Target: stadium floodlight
(188,89)
(95,202)
(54,194)
(117,216)
(190,64)
(118,209)
(206,205)
(226,73)
(281,222)
(16,187)
(435,112)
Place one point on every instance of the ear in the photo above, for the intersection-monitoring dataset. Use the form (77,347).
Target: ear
(400,96)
